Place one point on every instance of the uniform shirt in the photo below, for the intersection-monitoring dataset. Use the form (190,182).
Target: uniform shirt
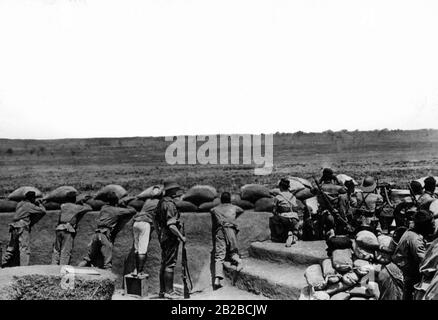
(409,253)
(109,216)
(426,198)
(346,204)
(147,213)
(167,214)
(24,213)
(285,202)
(368,201)
(225,215)
(70,216)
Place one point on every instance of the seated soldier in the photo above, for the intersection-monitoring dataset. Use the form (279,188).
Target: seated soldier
(403,212)
(368,206)
(285,223)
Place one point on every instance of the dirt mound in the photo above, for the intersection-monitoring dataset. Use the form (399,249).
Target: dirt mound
(49,282)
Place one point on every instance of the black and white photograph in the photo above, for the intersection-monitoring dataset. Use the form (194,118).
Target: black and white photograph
(179,151)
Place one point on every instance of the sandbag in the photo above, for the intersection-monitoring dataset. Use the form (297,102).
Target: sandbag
(264,205)
(384,240)
(358,298)
(315,277)
(274,192)
(421,180)
(207,206)
(361,292)
(186,206)
(83,198)
(103,193)
(304,194)
(8,205)
(362,267)
(367,240)
(342,178)
(253,192)
(341,296)
(373,290)
(330,274)
(350,278)
(96,205)
(200,194)
(52,205)
(433,207)
(342,260)
(337,287)
(309,293)
(59,194)
(361,253)
(333,189)
(296,184)
(148,194)
(137,204)
(339,242)
(320,295)
(244,204)
(235,197)
(18,195)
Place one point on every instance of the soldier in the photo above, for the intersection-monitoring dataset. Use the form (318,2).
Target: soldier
(103,239)
(410,251)
(429,193)
(168,228)
(347,203)
(368,206)
(404,211)
(285,222)
(142,229)
(225,235)
(27,213)
(68,221)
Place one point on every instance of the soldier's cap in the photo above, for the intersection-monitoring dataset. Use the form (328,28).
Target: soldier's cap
(368,184)
(284,183)
(423,216)
(171,184)
(429,183)
(30,194)
(416,187)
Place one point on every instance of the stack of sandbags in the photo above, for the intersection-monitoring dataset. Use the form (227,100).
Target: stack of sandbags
(301,188)
(149,193)
(244,204)
(19,194)
(350,273)
(200,194)
(207,206)
(257,195)
(54,199)
(186,206)
(117,189)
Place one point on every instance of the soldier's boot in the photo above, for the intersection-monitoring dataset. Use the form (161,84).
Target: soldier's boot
(169,292)
(217,283)
(140,260)
(291,239)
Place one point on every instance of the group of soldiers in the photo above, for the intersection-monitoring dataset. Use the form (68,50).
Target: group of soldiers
(344,214)
(158,213)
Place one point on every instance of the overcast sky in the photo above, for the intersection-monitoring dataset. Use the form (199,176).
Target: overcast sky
(89,68)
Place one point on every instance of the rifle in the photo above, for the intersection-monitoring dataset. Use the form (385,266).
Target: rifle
(414,199)
(330,207)
(187,279)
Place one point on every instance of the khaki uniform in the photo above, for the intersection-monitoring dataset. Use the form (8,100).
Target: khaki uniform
(143,226)
(69,218)
(364,217)
(26,215)
(407,256)
(285,217)
(225,235)
(102,240)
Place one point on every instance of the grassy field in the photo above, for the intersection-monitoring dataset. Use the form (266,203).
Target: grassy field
(136,163)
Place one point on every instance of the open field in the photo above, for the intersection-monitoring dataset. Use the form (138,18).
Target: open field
(136,163)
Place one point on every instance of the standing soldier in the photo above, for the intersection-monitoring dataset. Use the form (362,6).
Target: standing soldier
(429,193)
(369,204)
(68,221)
(142,229)
(168,229)
(225,235)
(27,213)
(103,239)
